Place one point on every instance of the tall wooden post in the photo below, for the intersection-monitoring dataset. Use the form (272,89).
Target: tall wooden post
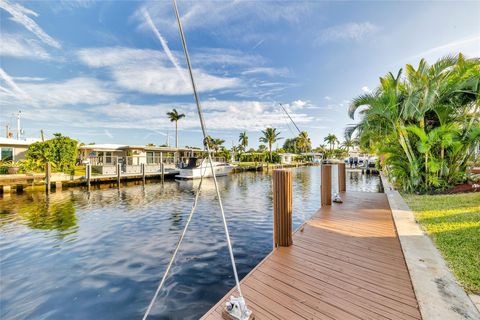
(48,174)
(326,187)
(118,174)
(143,172)
(88,174)
(342,177)
(282,208)
(162,167)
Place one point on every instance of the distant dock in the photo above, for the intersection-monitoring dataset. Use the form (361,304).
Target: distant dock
(110,174)
(18,182)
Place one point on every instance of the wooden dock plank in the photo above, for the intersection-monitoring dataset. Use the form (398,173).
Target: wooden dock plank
(345,263)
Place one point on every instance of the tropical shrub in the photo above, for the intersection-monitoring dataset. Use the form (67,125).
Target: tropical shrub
(425,124)
(254,157)
(3,169)
(225,154)
(60,152)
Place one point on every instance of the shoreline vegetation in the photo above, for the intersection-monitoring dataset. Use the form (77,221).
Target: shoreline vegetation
(424,123)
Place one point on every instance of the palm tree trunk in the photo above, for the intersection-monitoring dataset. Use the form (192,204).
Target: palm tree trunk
(176,134)
(270,148)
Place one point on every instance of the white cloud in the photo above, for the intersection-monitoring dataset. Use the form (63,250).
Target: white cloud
(28,79)
(165,81)
(108,133)
(469,46)
(349,31)
(15,45)
(219,115)
(21,15)
(147,71)
(299,104)
(222,56)
(334,106)
(67,117)
(215,15)
(70,92)
(272,72)
(366,89)
(11,89)
(328,98)
(112,56)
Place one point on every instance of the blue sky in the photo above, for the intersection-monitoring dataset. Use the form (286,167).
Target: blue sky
(107,72)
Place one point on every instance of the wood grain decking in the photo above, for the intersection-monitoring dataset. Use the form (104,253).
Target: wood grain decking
(345,263)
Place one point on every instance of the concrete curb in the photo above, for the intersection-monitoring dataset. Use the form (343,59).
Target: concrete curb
(476,300)
(438,293)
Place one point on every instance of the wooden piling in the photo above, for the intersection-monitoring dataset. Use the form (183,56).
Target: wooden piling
(143,172)
(326,186)
(118,174)
(88,174)
(282,207)
(342,177)
(48,175)
(6,189)
(162,167)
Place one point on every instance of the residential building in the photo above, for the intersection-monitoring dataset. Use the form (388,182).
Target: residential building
(14,149)
(104,157)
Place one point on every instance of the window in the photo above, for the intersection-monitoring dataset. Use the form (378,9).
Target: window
(100,157)
(108,158)
(6,154)
(150,157)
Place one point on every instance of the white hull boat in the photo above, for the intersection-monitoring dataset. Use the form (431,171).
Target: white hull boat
(198,167)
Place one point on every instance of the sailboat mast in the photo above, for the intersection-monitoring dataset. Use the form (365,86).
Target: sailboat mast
(285,110)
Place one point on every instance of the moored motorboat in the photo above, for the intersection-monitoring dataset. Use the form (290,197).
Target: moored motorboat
(196,167)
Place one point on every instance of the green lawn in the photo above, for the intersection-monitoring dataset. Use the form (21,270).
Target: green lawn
(79,171)
(247,164)
(453,222)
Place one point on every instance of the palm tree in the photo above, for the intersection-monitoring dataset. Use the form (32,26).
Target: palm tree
(303,142)
(331,139)
(270,136)
(321,148)
(174,116)
(348,143)
(214,144)
(423,123)
(243,139)
(218,143)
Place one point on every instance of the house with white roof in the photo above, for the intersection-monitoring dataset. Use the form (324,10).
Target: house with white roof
(14,149)
(105,157)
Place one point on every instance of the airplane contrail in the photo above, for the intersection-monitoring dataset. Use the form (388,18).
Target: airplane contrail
(165,47)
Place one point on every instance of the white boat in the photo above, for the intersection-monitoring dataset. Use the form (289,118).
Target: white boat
(195,168)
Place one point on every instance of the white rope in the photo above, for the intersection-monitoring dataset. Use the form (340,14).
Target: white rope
(204,131)
(194,206)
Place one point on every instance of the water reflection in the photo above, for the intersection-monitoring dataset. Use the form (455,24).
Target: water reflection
(38,211)
(100,254)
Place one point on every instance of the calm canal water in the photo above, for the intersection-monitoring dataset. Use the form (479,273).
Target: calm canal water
(101,254)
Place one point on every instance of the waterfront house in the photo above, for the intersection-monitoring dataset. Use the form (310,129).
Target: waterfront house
(287,158)
(14,149)
(104,157)
(313,156)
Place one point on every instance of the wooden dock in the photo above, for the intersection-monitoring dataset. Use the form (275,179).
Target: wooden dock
(345,263)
